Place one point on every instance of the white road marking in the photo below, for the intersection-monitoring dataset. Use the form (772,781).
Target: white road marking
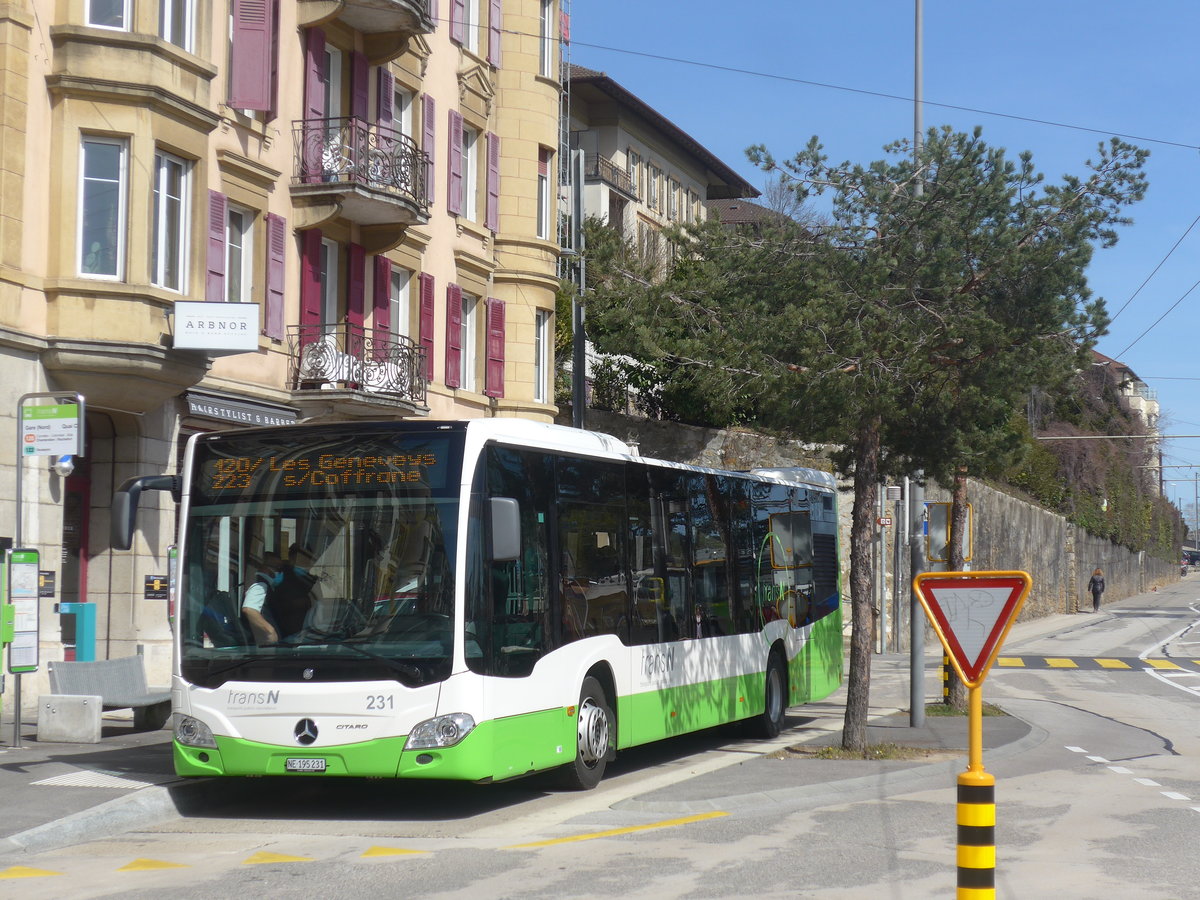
(1077,750)
(1148,782)
(1121,770)
(1097,759)
(1174,796)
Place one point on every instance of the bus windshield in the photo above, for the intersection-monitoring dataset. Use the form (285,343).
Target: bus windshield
(328,560)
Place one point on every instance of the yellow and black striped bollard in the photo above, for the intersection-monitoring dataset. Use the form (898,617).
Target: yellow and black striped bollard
(976,836)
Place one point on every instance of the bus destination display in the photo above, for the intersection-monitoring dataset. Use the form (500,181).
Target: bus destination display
(334,470)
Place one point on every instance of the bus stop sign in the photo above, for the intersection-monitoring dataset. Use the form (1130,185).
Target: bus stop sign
(971,613)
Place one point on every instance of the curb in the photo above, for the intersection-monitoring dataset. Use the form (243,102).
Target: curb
(144,806)
(845,790)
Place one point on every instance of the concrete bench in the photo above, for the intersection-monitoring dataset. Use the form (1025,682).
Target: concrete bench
(119,683)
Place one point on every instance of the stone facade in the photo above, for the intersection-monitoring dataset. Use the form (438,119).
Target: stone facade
(365,172)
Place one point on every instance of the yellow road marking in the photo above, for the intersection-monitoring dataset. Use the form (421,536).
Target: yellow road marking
(391,851)
(26,872)
(669,823)
(264,857)
(1113,664)
(1058,662)
(1161,664)
(1011,661)
(141,865)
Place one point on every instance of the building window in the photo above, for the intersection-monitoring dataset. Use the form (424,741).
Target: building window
(102,170)
(470,167)
(471,25)
(175,22)
(546,20)
(399,299)
(169,232)
(239,255)
(402,104)
(652,188)
(466,373)
(543,341)
(634,163)
(543,196)
(328,283)
(108,14)
(673,199)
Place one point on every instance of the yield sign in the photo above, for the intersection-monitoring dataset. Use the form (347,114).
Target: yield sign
(971,613)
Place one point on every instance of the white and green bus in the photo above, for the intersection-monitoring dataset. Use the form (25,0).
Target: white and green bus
(482,600)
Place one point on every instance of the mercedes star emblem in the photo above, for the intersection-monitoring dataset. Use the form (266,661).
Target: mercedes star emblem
(305,732)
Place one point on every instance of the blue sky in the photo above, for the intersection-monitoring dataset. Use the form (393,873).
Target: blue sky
(1115,68)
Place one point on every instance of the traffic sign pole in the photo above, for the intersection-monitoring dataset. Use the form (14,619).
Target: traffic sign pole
(972,613)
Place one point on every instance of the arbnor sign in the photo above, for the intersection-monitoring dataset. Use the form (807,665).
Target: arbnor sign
(216,326)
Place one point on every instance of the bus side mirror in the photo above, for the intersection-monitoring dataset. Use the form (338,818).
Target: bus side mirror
(125,504)
(506,529)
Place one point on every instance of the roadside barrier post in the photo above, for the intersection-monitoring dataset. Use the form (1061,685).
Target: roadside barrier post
(972,613)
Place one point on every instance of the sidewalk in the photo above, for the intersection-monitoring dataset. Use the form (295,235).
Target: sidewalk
(55,794)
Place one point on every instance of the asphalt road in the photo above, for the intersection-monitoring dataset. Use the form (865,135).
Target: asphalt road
(1098,795)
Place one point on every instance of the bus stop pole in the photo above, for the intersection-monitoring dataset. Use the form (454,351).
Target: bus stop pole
(17,542)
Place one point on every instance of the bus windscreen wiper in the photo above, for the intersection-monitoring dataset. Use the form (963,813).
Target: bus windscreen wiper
(403,668)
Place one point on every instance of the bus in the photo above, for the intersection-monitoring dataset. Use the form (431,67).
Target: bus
(482,600)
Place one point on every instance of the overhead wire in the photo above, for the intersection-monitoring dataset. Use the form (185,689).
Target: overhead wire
(889,96)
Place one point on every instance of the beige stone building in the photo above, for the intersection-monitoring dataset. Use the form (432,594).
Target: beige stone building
(641,171)
(222,213)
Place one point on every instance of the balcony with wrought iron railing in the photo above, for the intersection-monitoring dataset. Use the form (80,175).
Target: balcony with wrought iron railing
(597,168)
(401,18)
(356,358)
(375,174)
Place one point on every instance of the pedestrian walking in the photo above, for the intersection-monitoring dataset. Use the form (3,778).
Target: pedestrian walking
(1096,586)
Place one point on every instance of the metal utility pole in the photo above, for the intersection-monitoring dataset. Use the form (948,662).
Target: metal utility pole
(916,693)
(578,334)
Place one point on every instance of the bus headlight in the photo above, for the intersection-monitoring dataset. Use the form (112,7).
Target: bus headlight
(441,731)
(193,733)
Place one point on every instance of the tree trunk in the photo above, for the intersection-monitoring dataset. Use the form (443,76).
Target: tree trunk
(862,612)
(956,562)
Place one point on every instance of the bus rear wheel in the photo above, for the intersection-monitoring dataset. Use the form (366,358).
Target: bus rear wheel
(770,723)
(594,737)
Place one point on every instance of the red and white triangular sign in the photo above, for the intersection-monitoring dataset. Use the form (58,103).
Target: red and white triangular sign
(972,612)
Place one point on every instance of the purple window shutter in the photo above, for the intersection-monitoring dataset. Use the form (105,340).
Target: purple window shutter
(453,335)
(492,216)
(494,377)
(494,18)
(359,86)
(314,105)
(252,59)
(385,100)
(428,126)
(426,339)
(214,285)
(310,286)
(381,298)
(356,285)
(276,268)
(454,184)
(433,12)
(314,74)
(458,13)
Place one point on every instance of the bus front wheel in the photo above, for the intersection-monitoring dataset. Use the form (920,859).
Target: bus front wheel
(594,726)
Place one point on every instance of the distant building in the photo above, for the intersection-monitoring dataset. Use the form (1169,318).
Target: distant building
(742,214)
(1136,395)
(642,172)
